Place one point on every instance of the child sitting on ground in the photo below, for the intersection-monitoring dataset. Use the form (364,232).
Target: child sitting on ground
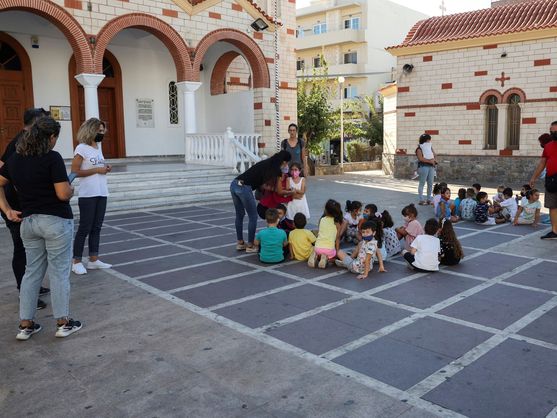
(412,228)
(392,243)
(446,207)
(284,223)
(379,237)
(458,201)
(424,253)
(360,261)
(328,237)
(271,240)
(521,198)
(468,205)
(370,211)
(437,195)
(498,197)
(300,240)
(484,211)
(477,188)
(509,207)
(451,250)
(299,203)
(529,211)
(352,218)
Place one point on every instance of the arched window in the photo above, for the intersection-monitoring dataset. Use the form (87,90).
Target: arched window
(513,119)
(491,117)
(173,103)
(9,60)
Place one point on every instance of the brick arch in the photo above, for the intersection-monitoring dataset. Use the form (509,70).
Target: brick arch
(514,90)
(218,76)
(487,93)
(65,22)
(249,49)
(162,30)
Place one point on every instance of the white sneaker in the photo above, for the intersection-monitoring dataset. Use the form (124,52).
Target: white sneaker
(79,268)
(98,265)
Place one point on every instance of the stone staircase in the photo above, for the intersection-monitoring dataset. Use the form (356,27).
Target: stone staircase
(142,184)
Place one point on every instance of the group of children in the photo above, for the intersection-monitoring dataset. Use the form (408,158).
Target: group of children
(474,205)
(374,234)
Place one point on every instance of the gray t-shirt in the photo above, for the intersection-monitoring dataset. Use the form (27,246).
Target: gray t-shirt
(295,152)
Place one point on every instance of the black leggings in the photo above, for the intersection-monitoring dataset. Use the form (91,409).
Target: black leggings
(18,257)
(91,217)
(409,257)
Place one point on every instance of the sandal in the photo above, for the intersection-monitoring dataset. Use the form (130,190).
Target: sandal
(422,203)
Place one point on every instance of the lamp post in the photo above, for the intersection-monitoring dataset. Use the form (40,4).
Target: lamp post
(341,80)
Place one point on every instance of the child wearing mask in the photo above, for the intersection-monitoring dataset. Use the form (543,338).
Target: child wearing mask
(299,203)
(412,228)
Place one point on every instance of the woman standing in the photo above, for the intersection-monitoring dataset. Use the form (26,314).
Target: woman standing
(39,175)
(88,164)
(242,188)
(295,146)
(426,168)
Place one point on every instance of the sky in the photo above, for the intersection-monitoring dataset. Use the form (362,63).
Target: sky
(432,7)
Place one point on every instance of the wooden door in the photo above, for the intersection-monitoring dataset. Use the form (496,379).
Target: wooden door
(107,113)
(12,106)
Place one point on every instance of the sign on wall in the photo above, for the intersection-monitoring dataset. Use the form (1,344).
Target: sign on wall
(145,113)
(61,112)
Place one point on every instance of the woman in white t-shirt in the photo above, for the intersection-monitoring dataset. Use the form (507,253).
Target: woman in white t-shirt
(88,164)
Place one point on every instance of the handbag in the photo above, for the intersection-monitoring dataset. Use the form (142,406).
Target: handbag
(551,183)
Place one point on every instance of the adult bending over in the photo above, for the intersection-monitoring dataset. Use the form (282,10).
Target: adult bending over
(549,162)
(426,168)
(39,175)
(242,188)
(88,164)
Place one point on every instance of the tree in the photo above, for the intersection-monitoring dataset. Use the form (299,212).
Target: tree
(314,110)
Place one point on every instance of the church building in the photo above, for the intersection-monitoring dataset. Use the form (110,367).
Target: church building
(154,71)
(483,84)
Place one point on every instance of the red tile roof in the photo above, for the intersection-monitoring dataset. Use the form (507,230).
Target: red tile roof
(519,17)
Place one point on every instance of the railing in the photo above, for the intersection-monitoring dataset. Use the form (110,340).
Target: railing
(237,151)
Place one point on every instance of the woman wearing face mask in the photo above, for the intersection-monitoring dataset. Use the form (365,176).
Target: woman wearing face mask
(263,173)
(39,175)
(88,164)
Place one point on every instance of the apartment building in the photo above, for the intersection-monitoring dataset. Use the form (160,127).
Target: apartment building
(352,37)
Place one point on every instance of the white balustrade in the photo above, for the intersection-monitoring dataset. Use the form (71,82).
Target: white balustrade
(237,151)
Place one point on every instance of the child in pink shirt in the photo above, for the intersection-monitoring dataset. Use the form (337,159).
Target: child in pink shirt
(412,228)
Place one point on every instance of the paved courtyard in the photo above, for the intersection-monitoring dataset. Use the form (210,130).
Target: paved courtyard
(477,340)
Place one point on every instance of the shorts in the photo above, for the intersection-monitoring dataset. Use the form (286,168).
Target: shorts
(522,221)
(354,267)
(329,252)
(550,200)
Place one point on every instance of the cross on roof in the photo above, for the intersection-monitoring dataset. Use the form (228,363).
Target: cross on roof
(502,79)
(443,8)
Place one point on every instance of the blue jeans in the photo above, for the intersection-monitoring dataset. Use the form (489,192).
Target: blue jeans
(244,202)
(426,173)
(48,245)
(91,217)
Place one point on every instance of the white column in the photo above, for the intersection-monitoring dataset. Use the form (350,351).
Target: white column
(188,88)
(90,82)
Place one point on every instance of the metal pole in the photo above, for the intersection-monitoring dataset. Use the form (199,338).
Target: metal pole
(277,83)
(341,82)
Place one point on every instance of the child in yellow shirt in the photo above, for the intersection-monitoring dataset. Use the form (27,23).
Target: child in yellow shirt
(300,240)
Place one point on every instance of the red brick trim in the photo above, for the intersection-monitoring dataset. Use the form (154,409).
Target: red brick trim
(269,60)
(529,121)
(464,142)
(542,62)
(514,90)
(446,86)
(480,73)
(214,15)
(553,89)
(432,132)
(267,122)
(403,89)
(473,106)
(169,13)
(290,31)
(73,4)
(258,35)
(409,114)
(287,118)
(506,153)
(218,76)
(237,7)
(487,93)
(549,99)
(427,58)
(157,27)
(258,106)
(492,46)
(273,100)
(425,106)
(249,48)
(65,22)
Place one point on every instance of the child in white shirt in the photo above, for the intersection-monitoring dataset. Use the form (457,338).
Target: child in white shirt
(509,207)
(424,254)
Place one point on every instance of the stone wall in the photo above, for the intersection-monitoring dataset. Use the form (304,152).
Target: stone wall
(467,169)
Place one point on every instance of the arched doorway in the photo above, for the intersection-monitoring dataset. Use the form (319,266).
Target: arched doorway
(111,105)
(16,88)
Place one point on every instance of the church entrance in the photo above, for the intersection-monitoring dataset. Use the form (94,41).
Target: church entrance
(16,90)
(111,110)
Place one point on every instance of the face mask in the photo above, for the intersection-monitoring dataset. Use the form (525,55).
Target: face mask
(284,170)
(367,238)
(99,137)
(365,216)
(554,134)
(295,174)
(406,219)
